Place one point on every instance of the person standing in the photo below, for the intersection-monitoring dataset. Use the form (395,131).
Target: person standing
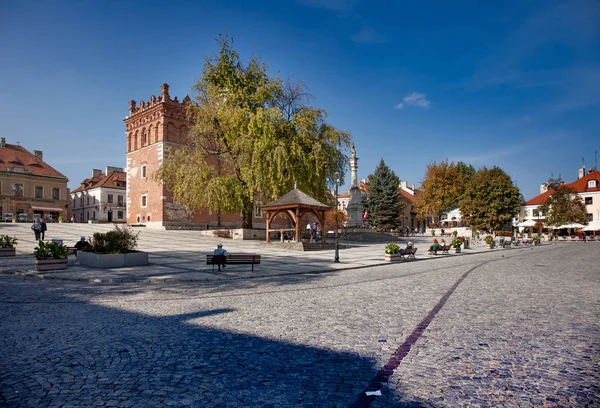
(43,228)
(37,229)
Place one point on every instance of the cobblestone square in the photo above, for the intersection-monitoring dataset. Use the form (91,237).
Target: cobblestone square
(514,328)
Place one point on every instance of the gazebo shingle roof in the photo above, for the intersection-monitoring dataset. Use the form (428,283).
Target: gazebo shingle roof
(295,197)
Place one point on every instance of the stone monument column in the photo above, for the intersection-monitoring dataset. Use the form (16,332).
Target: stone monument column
(355,208)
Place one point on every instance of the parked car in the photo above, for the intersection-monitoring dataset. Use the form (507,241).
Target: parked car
(22,217)
(8,217)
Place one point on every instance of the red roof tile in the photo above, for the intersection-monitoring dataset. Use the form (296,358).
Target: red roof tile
(580,185)
(17,156)
(103,180)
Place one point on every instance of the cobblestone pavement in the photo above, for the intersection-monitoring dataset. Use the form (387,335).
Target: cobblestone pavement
(521,329)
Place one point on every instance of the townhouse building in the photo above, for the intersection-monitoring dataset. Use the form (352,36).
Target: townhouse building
(587,186)
(101,197)
(29,187)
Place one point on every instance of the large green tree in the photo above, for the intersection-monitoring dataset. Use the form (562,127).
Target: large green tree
(490,200)
(564,206)
(252,137)
(384,203)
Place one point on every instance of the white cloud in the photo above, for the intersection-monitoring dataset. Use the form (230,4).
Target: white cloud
(414,99)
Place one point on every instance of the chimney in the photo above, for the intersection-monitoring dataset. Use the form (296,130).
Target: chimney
(403,185)
(110,169)
(38,154)
(96,173)
(412,187)
(2,142)
(543,188)
(581,172)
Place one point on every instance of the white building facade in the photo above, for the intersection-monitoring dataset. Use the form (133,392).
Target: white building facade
(101,198)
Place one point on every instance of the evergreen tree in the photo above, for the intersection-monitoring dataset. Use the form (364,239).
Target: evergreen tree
(384,203)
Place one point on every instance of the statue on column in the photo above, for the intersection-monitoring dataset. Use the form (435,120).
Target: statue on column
(355,207)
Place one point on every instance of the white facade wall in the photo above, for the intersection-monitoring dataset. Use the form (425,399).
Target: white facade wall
(93,204)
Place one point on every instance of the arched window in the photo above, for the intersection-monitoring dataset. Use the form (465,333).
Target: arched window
(17,190)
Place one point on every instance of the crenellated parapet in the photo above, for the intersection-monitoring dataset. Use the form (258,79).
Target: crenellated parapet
(141,107)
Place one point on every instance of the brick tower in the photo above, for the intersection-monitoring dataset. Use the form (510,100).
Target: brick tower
(151,128)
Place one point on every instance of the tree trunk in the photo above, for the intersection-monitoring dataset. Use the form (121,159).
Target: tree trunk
(247,213)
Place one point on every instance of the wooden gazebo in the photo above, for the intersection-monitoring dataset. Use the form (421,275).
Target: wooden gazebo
(296,205)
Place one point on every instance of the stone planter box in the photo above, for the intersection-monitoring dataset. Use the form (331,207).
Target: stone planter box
(8,251)
(112,260)
(50,264)
(457,250)
(393,257)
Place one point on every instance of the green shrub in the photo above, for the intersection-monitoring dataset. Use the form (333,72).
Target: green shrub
(456,243)
(489,239)
(117,241)
(7,242)
(50,250)
(392,249)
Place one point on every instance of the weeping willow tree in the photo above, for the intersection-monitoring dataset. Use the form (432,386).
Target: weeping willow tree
(252,137)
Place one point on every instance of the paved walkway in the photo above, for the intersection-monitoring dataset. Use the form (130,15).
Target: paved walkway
(180,256)
(514,328)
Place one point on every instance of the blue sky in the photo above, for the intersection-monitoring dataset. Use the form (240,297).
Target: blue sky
(509,83)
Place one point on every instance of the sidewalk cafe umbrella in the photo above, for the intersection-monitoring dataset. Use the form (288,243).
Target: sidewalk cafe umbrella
(571,225)
(592,226)
(526,223)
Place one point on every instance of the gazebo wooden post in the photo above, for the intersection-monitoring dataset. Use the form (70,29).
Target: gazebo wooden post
(268,226)
(297,224)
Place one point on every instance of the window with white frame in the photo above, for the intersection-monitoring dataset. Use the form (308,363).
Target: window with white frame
(589,201)
(592,183)
(120,215)
(590,217)
(144,200)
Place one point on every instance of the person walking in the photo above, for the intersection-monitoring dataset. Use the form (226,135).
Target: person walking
(43,228)
(37,229)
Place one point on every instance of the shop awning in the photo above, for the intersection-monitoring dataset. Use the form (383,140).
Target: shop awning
(46,208)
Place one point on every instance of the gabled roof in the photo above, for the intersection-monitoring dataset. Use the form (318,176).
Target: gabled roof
(295,197)
(109,181)
(407,195)
(16,156)
(580,186)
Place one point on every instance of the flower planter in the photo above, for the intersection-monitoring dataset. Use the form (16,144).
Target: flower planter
(8,251)
(492,245)
(457,250)
(393,257)
(50,264)
(112,260)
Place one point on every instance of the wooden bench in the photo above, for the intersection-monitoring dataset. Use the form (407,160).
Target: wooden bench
(239,259)
(409,253)
(222,233)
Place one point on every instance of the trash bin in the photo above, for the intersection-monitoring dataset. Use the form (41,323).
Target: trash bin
(467,243)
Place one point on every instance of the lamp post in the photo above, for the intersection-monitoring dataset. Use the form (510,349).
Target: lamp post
(337,250)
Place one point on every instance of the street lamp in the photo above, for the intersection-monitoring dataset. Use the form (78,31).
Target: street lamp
(337,249)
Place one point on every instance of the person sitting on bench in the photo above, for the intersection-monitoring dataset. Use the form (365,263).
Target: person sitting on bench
(221,251)
(81,244)
(433,249)
(409,245)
